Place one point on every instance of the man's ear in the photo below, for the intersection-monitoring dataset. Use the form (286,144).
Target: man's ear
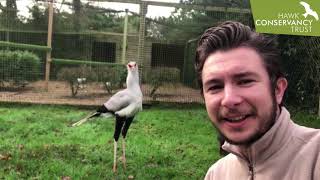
(281,87)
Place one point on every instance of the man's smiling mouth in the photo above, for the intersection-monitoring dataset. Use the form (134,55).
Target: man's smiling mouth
(236,119)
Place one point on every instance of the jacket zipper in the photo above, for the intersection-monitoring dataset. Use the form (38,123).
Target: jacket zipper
(251,172)
(250,164)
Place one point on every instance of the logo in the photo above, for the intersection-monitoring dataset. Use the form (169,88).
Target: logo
(309,11)
(287,17)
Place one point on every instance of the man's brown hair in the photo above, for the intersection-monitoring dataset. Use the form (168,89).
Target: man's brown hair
(229,35)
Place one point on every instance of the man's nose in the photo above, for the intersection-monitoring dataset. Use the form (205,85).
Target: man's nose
(231,97)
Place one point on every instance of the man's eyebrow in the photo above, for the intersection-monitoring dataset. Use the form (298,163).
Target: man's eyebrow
(239,75)
(245,74)
(213,81)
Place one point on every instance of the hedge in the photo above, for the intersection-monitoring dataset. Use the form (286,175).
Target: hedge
(160,76)
(111,75)
(19,66)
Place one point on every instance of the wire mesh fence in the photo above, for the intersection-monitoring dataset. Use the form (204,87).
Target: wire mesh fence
(92,40)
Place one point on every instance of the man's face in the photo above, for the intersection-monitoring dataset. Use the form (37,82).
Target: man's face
(237,93)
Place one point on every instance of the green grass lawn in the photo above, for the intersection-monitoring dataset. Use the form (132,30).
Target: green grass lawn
(164,142)
(37,142)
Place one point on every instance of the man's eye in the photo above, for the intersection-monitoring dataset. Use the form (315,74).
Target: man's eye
(215,88)
(245,81)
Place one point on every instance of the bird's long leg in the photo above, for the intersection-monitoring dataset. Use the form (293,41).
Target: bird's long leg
(124,153)
(115,156)
(124,133)
(118,126)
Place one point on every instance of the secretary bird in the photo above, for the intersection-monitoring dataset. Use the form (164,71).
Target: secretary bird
(124,105)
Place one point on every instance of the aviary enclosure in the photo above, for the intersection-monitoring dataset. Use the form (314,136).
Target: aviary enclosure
(88,40)
(91,40)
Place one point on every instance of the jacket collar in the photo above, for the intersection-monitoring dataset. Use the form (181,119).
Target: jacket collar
(269,144)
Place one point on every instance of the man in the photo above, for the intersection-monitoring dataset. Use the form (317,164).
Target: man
(243,87)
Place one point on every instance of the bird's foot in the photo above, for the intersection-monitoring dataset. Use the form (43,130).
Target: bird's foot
(124,162)
(114,169)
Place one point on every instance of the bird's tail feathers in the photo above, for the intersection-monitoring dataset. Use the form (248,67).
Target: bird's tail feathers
(85,119)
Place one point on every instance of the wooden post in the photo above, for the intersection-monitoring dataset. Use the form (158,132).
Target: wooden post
(124,41)
(49,40)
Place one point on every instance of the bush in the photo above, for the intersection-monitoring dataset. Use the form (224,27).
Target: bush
(159,76)
(18,66)
(71,75)
(112,77)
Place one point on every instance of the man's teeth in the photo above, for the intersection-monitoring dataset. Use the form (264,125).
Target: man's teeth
(236,118)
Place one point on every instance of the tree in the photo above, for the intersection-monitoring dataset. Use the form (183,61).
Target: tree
(39,18)
(77,15)
(10,11)
(312,45)
(301,59)
(101,19)
(9,16)
(186,24)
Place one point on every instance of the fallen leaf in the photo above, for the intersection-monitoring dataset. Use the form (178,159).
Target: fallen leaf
(66,178)
(46,146)
(20,147)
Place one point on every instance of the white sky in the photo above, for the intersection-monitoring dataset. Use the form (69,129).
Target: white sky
(153,11)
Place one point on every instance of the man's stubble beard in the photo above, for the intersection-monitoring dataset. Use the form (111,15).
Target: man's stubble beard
(270,121)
